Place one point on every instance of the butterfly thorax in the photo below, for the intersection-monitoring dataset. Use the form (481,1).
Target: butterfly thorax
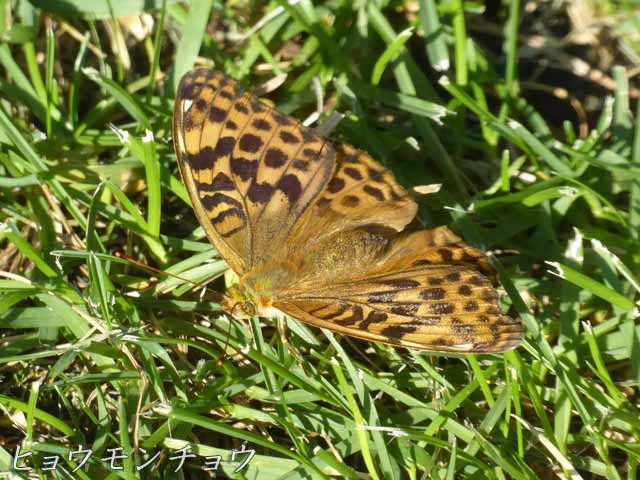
(341,255)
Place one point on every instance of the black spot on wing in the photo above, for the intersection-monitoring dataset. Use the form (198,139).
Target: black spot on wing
(309,152)
(222,182)
(209,202)
(250,143)
(353,173)
(257,106)
(428,320)
(244,168)
(307,135)
(399,330)
(445,254)
(465,290)
(489,295)
(241,107)
(471,306)
(453,277)
(232,212)
(355,317)
(200,105)
(260,192)
(207,157)
(406,309)
(335,185)
(442,308)
(233,231)
(189,91)
(275,158)
(374,174)
(224,146)
(202,160)
(350,201)
(288,137)
(290,186)
(323,202)
(217,115)
(436,293)
(400,283)
(300,165)
(374,192)
(465,331)
(374,316)
(261,124)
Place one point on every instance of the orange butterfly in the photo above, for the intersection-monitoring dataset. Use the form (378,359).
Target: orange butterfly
(315,230)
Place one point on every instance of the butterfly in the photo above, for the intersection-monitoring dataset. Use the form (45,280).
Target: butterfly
(315,230)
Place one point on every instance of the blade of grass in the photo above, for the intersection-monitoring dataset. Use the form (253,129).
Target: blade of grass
(434,36)
(192,35)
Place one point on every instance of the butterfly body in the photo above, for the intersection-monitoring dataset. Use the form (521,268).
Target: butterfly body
(315,230)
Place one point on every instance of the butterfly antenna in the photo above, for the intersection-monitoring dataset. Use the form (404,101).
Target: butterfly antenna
(162,272)
(224,355)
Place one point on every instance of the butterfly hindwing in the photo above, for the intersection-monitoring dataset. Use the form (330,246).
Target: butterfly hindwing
(361,192)
(438,308)
(251,172)
(436,246)
(421,289)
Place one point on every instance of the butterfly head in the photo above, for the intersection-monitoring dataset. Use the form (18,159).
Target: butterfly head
(238,304)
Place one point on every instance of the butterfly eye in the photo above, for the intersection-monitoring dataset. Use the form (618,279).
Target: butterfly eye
(237,310)
(249,308)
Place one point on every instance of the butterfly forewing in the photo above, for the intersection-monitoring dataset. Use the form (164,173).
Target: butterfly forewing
(251,172)
(315,230)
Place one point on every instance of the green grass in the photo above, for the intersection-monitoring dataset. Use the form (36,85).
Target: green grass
(95,351)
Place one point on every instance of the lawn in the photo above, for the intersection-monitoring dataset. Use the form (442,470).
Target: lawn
(525,114)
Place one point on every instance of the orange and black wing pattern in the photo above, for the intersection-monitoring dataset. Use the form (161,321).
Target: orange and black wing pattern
(251,172)
(316,230)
